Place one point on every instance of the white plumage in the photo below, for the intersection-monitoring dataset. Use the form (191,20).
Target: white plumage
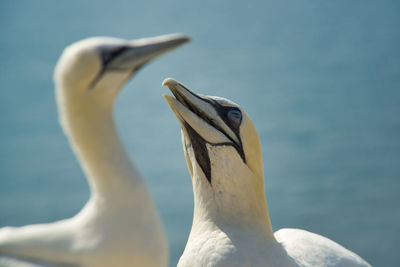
(119,225)
(231,224)
(309,249)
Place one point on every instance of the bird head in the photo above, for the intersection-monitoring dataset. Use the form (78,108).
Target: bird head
(91,71)
(223,153)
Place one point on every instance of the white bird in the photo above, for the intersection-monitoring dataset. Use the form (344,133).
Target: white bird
(119,225)
(231,225)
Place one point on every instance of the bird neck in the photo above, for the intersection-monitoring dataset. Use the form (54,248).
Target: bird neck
(234,199)
(93,137)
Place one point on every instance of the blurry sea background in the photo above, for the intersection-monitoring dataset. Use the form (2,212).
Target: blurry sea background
(320,80)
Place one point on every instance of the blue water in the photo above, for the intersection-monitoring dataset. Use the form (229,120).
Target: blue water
(320,79)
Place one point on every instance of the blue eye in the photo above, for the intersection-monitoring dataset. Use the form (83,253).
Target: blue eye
(235,115)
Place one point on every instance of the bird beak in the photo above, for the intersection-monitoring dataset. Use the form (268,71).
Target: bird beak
(138,52)
(199,113)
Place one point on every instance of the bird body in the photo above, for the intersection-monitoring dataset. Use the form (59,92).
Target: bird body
(231,224)
(231,246)
(310,249)
(119,225)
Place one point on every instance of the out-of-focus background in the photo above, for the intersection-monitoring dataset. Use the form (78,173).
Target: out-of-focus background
(320,79)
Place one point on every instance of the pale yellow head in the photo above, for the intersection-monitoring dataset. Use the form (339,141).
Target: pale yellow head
(91,72)
(223,153)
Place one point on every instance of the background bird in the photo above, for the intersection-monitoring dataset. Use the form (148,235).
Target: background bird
(231,224)
(119,225)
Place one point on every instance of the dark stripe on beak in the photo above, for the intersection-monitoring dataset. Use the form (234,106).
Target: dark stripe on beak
(221,112)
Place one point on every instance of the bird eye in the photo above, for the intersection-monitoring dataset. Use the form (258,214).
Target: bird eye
(235,115)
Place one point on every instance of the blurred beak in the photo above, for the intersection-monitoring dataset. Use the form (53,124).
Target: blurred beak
(136,53)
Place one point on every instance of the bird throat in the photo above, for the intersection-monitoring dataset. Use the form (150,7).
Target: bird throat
(200,151)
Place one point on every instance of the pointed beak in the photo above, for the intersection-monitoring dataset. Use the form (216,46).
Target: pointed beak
(199,113)
(136,53)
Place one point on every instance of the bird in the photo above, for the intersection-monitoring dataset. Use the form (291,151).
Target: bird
(231,225)
(119,225)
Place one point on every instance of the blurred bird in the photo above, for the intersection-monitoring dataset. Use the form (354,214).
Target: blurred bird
(231,225)
(119,225)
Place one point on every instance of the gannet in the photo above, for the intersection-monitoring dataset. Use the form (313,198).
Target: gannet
(119,225)
(231,225)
